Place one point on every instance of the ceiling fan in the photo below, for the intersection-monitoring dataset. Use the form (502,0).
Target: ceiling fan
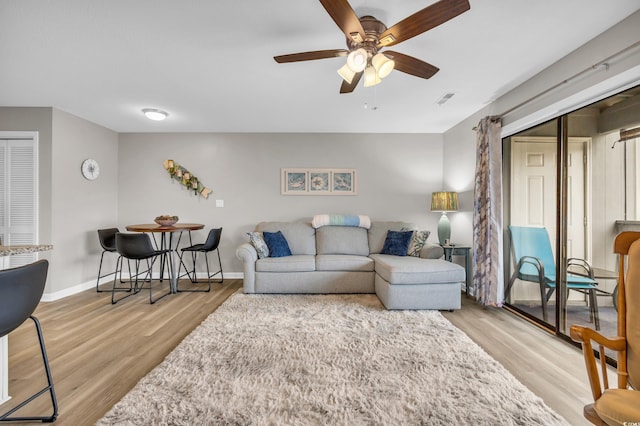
(366,36)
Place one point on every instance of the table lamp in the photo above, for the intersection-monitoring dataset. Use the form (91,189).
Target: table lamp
(444,202)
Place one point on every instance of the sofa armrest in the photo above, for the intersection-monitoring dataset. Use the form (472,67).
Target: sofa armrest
(247,254)
(431,251)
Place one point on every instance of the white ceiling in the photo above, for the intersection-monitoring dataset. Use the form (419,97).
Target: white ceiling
(210,63)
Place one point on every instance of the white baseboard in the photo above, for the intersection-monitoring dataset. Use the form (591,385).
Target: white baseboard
(57,295)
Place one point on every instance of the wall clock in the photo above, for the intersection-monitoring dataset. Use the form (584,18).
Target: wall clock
(90,169)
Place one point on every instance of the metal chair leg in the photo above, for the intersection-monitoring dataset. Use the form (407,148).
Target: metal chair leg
(106,275)
(115,289)
(543,296)
(150,266)
(593,306)
(209,275)
(49,388)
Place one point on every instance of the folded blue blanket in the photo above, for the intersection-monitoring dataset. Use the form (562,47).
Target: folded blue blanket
(341,220)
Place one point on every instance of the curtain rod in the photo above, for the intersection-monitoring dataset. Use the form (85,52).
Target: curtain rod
(603,63)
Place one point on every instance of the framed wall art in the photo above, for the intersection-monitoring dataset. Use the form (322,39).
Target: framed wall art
(318,182)
(294,181)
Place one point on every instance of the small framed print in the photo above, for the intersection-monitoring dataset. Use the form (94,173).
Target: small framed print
(318,182)
(343,182)
(294,181)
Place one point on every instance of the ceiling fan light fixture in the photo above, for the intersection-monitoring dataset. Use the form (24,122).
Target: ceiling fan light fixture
(357,60)
(346,73)
(371,77)
(383,65)
(155,114)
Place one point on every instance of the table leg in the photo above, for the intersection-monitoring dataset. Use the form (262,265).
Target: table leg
(173,273)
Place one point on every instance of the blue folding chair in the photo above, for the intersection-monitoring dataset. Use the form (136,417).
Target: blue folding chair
(534,261)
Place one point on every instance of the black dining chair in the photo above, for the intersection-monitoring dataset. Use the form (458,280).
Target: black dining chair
(211,244)
(20,292)
(138,247)
(107,238)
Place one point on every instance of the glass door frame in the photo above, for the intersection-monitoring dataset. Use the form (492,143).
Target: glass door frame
(561,209)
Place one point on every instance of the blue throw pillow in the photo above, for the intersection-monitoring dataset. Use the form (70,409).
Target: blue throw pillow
(277,243)
(397,243)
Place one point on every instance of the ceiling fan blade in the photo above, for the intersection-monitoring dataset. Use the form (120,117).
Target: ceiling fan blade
(348,87)
(345,17)
(310,56)
(424,20)
(411,65)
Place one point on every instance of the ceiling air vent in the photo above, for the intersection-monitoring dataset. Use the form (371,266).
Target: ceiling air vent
(445,98)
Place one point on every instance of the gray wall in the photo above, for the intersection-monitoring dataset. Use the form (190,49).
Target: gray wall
(396,175)
(70,207)
(79,207)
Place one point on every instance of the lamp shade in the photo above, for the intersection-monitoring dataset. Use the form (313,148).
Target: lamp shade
(371,77)
(357,60)
(444,201)
(383,65)
(347,73)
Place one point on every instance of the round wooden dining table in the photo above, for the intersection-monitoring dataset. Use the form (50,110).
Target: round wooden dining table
(168,243)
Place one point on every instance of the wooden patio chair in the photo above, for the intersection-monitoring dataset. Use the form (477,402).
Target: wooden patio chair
(621,405)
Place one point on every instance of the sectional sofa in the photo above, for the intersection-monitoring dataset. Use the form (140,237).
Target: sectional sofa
(352,259)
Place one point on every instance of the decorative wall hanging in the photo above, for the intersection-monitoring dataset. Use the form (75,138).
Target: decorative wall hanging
(186,178)
(318,182)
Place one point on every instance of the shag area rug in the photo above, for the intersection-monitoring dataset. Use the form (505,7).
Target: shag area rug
(328,360)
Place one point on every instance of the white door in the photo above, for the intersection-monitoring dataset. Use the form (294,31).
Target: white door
(18,194)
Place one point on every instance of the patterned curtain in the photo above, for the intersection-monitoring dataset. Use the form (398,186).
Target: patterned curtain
(488,279)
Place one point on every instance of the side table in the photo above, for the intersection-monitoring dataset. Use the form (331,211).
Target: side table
(455,250)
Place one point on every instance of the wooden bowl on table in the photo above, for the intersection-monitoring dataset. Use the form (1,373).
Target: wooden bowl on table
(166,220)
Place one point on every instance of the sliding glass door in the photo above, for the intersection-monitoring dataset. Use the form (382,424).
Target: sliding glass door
(572,186)
(532,220)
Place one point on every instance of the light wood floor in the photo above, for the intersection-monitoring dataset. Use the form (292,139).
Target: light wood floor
(99,351)
(552,368)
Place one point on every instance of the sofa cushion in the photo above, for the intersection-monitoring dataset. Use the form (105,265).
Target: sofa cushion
(378,233)
(342,240)
(418,241)
(414,270)
(277,243)
(300,236)
(397,243)
(258,243)
(343,262)
(295,263)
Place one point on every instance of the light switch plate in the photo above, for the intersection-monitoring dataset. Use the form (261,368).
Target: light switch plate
(219,203)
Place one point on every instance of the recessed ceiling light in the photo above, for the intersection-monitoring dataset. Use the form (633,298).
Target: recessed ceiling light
(155,114)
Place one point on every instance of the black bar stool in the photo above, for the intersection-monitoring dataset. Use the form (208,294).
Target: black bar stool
(138,247)
(20,292)
(211,244)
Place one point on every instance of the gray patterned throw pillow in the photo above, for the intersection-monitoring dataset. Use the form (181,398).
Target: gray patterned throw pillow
(418,241)
(258,243)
